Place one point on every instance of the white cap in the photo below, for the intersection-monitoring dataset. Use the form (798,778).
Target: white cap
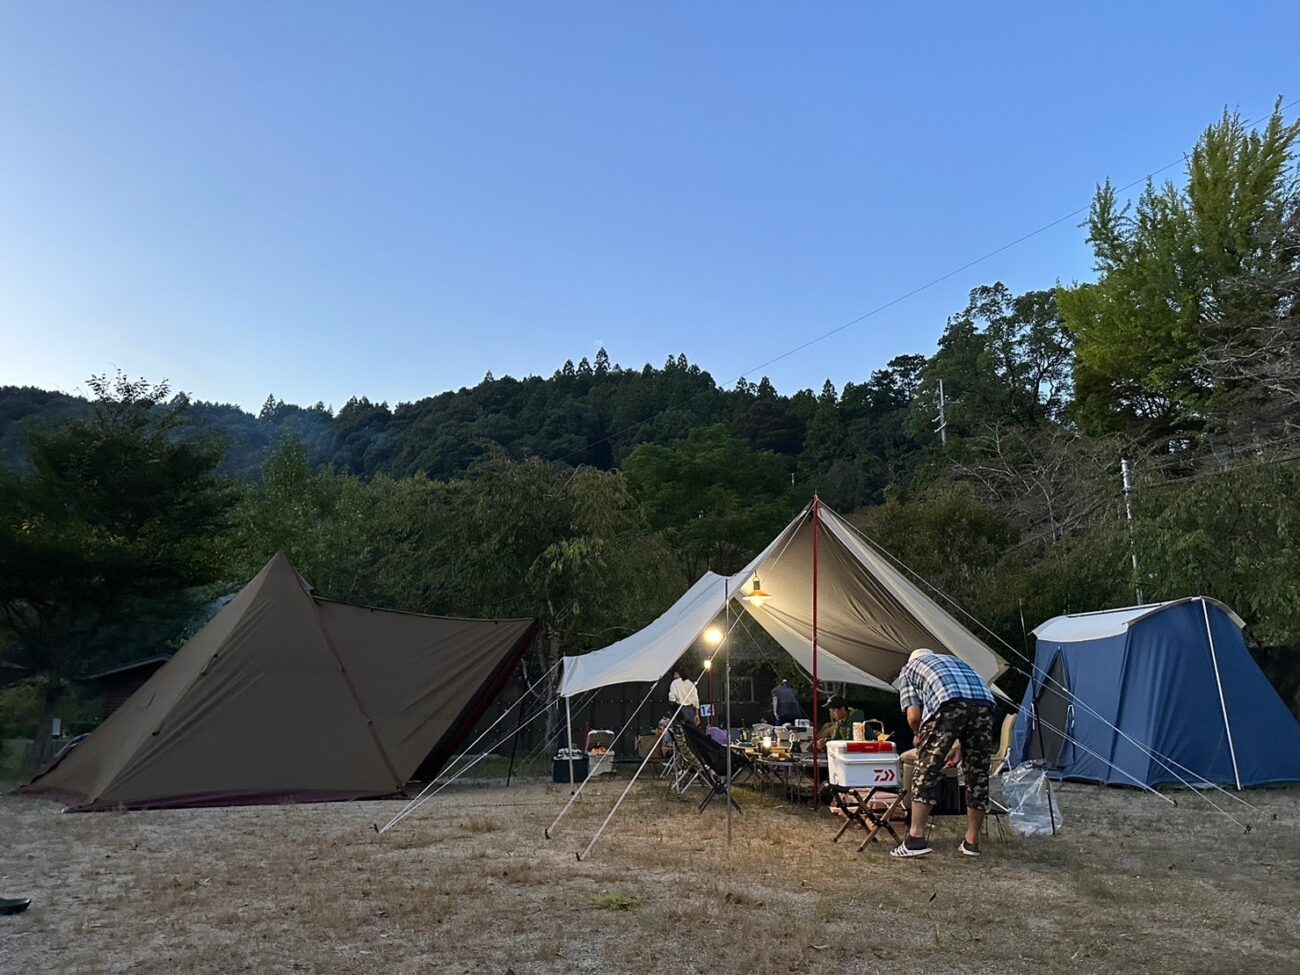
(917,654)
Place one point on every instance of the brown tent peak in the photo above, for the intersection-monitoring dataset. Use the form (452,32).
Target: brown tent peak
(279,564)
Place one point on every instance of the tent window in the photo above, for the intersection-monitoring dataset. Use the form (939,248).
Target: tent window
(1053,709)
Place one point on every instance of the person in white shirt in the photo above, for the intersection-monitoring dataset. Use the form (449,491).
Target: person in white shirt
(683,692)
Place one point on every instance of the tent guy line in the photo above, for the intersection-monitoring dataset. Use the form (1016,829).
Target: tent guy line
(716,650)
(1078,211)
(547,742)
(1034,669)
(420,799)
(646,761)
(417,803)
(590,769)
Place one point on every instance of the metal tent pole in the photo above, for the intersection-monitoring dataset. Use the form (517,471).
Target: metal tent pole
(816,537)
(568,725)
(514,744)
(1126,477)
(726,726)
(1223,704)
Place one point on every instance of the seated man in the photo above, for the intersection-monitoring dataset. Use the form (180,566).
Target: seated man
(840,727)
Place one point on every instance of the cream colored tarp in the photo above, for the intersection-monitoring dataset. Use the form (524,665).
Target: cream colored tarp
(869,615)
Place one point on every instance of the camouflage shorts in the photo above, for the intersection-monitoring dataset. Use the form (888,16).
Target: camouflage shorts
(972,725)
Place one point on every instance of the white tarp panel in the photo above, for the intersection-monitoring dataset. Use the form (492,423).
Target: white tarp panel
(869,616)
(1081,627)
(649,653)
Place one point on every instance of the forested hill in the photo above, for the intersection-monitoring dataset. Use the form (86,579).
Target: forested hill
(591,413)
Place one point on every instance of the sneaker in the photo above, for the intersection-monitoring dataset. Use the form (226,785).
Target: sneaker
(913,846)
(969,849)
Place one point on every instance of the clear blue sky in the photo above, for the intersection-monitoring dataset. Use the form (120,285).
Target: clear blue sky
(321,200)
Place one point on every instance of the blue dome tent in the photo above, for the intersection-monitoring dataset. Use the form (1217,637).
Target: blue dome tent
(1175,677)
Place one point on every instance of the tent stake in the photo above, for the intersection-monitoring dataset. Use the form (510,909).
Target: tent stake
(514,744)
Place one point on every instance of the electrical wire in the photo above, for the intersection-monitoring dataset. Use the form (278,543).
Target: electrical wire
(1078,211)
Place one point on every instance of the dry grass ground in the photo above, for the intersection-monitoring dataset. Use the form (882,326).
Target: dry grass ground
(469,884)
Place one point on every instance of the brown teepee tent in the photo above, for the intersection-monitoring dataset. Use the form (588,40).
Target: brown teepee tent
(285,697)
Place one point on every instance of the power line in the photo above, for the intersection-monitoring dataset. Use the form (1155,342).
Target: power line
(1078,211)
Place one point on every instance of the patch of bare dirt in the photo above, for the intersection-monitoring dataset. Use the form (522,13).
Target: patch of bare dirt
(469,884)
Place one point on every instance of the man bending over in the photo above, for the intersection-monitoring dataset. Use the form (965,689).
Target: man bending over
(946,702)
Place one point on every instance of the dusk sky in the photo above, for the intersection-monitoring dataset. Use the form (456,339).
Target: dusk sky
(333,199)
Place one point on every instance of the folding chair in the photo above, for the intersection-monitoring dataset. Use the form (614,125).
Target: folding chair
(709,760)
(684,770)
(871,812)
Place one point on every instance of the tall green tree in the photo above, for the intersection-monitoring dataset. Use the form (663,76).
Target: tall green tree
(1005,359)
(716,500)
(1164,265)
(113,512)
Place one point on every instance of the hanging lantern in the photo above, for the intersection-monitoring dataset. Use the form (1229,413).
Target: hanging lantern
(756,596)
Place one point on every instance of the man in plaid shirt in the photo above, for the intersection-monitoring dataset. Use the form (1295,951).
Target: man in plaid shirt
(950,709)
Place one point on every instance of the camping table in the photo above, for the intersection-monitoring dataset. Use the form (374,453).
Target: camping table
(793,774)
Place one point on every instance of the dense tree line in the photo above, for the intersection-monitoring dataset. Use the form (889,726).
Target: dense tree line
(595,496)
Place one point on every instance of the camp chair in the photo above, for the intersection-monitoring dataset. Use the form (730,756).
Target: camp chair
(682,771)
(709,760)
(871,812)
(999,762)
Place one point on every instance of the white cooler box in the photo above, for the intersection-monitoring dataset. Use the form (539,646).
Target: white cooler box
(862,770)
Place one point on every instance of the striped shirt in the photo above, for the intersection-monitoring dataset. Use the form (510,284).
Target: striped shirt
(931,681)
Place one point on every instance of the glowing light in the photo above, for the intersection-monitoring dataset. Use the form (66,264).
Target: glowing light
(713,636)
(756,596)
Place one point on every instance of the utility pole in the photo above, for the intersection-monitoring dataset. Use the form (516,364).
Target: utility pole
(1126,475)
(942,419)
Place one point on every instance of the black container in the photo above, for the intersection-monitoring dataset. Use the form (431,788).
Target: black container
(560,770)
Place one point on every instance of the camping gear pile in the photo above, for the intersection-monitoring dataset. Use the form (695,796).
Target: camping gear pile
(600,751)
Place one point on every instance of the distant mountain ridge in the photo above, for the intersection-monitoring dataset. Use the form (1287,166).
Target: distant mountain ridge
(589,413)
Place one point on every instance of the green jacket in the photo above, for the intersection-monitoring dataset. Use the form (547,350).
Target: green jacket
(841,730)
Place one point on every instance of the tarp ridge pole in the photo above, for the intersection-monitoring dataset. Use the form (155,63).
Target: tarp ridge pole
(573,797)
(726,609)
(568,724)
(514,746)
(1223,704)
(816,535)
